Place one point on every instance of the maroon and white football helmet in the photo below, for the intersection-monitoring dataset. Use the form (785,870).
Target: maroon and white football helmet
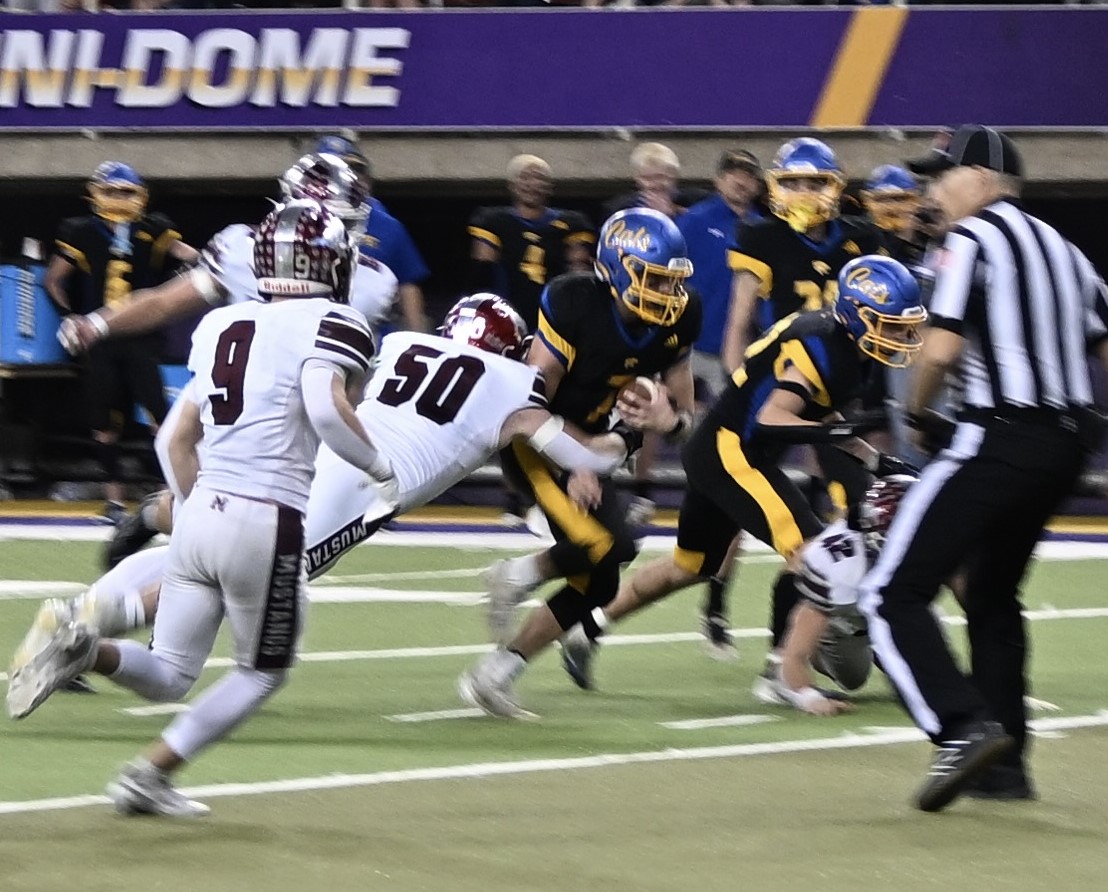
(329,180)
(303,250)
(488,322)
(879,506)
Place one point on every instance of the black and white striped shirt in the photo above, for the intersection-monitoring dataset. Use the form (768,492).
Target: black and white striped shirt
(1029,305)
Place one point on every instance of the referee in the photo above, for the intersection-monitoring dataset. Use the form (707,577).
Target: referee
(1015,308)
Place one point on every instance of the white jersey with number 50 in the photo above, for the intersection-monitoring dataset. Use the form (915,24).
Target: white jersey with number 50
(832,567)
(227,262)
(435,410)
(247,359)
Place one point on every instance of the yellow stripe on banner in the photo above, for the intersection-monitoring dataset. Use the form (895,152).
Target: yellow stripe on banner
(582,528)
(782,525)
(859,68)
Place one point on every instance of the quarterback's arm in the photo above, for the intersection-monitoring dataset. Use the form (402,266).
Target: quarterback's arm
(565,445)
(543,358)
(736,334)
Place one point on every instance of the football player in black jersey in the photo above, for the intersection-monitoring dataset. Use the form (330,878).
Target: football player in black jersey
(518,248)
(791,388)
(596,333)
(789,262)
(893,199)
(116,249)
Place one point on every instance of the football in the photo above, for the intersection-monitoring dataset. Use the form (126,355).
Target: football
(643,389)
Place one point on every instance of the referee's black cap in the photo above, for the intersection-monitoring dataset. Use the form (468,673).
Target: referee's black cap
(971,145)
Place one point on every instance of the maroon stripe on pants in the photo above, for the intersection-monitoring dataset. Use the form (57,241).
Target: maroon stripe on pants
(281,620)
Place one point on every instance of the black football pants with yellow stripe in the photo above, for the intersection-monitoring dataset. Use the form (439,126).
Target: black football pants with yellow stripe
(590,546)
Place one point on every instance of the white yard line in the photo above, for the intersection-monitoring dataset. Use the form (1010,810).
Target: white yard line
(848,740)
(723,721)
(436,715)
(462,650)
(156,709)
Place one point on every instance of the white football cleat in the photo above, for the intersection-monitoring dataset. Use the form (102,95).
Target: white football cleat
(489,686)
(52,615)
(142,789)
(71,651)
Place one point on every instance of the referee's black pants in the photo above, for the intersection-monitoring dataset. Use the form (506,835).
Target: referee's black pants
(982,505)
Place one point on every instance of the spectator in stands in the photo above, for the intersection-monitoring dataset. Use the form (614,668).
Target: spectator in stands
(385,238)
(116,249)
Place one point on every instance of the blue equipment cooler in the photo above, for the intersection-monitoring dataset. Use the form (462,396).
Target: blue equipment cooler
(28,318)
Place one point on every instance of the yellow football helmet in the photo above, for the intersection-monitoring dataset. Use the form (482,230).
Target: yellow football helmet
(117,193)
(804,184)
(892,197)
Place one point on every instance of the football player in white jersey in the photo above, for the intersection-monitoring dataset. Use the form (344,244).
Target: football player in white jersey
(271,379)
(826,631)
(225,275)
(437,408)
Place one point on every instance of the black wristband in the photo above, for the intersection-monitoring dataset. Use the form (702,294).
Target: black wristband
(680,427)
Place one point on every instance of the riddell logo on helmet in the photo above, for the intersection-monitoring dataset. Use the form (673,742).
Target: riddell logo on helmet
(290,287)
(619,236)
(860,280)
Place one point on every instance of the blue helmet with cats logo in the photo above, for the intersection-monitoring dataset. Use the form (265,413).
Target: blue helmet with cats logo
(879,303)
(642,256)
(117,193)
(804,183)
(891,196)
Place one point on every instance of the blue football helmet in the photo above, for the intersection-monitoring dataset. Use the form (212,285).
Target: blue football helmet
(879,303)
(804,183)
(892,197)
(642,256)
(349,152)
(117,193)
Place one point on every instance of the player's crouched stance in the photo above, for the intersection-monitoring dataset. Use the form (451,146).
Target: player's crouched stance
(826,632)
(270,380)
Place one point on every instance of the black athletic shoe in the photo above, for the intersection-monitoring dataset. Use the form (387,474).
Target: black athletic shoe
(1002,783)
(131,534)
(718,641)
(960,761)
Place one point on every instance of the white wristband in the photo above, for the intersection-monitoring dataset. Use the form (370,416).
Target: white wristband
(99,323)
(546,433)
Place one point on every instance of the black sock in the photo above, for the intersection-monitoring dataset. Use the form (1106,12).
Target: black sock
(716,602)
(785,598)
(642,488)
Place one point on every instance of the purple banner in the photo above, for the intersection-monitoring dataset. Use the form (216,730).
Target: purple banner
(555,69)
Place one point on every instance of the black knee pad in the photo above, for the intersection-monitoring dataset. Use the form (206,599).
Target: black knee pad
(569,607)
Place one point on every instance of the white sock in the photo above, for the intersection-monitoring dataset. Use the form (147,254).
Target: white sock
(504,666)
(220,709)
(524,571)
